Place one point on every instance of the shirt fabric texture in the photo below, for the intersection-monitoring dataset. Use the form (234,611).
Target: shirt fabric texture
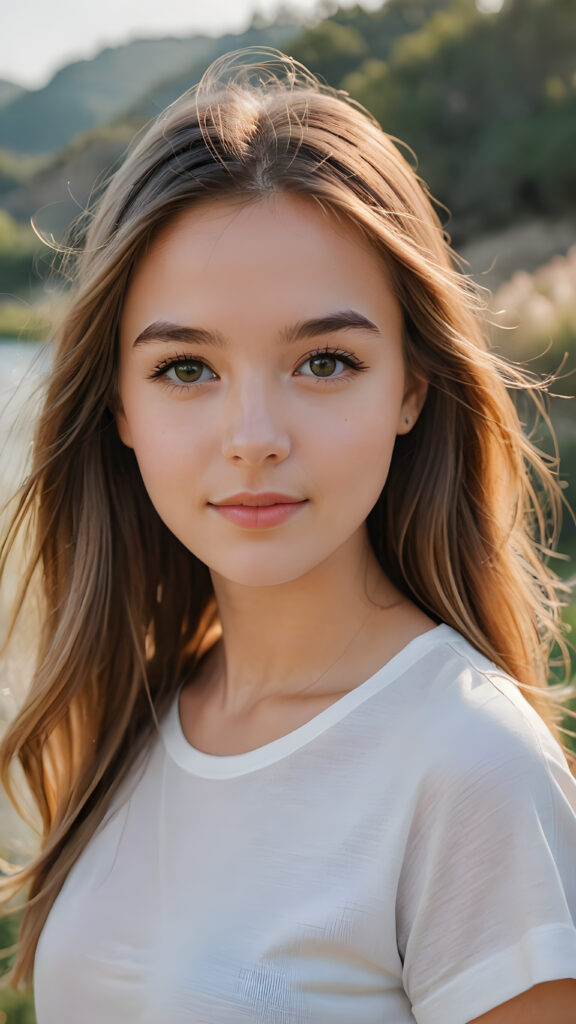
(407,855)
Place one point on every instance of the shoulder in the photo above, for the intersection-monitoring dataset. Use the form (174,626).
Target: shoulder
(492,788)
(479,752)
(468,714)
(478,747)
(486,897)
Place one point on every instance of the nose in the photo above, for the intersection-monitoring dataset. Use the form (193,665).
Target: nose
(254,428)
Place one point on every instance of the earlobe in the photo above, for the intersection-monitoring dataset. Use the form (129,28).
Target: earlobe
(412,405)
(122,426)
(116,407)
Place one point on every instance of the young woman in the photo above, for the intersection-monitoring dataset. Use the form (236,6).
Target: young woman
(285,514)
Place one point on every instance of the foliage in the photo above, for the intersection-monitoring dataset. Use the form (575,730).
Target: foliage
(331,50)
(15,1007)
(24,322)
(533,318)
(14,170)
(88,92)
(18,1007)
(18,248)
(395,19)
(488,103)
(91,92)
(8,937)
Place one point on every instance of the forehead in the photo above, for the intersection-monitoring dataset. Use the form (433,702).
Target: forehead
(271,254)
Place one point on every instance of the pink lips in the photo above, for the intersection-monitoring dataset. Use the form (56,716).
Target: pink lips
(258,510)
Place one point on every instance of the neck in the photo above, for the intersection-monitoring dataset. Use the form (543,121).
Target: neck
(284,640)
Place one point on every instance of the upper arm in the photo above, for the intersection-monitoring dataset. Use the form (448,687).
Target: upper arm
(553,1001)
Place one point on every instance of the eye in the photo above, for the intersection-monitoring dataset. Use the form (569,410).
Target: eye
(182,370)
(323,363)
(189,372)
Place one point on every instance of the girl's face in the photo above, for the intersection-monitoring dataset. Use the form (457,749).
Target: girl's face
(261,351)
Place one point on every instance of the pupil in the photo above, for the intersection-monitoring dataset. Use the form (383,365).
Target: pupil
(326,364)
(186,372)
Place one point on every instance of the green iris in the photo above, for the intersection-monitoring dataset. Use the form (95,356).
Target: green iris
(188,372)
(326,364)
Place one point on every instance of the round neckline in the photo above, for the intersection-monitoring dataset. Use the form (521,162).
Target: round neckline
(227,766)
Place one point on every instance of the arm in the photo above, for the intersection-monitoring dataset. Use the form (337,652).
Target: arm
(553,1001)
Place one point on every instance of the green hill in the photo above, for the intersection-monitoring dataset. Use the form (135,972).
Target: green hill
(281,35)
(90,92)
(62,187)
(10,91)
(56,192)
(145,74)
(486,101)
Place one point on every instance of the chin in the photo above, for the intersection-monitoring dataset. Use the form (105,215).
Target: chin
(263,570)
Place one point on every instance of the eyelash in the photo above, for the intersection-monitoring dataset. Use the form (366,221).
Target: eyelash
(162,368)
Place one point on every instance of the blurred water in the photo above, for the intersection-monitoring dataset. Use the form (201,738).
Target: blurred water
(15,357)
(22,366)
(21,369)
(21,374)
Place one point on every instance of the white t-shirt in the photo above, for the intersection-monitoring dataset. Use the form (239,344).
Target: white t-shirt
(408,854)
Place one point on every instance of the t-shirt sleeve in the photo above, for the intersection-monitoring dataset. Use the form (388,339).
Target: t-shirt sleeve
(486,904)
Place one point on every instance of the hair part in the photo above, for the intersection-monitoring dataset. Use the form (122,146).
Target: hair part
(468,508)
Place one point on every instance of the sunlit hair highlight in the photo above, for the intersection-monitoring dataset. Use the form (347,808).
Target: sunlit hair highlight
(463,525)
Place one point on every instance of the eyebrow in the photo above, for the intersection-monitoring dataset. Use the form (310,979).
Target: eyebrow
(347,319)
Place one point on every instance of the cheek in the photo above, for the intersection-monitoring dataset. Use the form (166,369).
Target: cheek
(362,443)
(167,459)
(349,465)
(162,446)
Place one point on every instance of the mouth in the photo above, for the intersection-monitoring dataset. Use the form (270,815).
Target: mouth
(264,500)
(254,504)
(260,516)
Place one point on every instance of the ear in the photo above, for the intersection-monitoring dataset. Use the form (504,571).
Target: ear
(412,404)
(119,415)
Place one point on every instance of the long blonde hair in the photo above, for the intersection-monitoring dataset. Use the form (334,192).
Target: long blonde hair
(459,526)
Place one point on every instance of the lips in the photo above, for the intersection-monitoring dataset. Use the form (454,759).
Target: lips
(260,517)
(263,500)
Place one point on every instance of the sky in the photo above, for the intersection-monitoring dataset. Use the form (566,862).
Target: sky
(39,36)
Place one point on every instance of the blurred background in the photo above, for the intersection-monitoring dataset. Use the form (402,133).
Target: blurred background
(482,91)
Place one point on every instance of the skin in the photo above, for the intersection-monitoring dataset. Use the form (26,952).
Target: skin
(306,612)
(290,598)
(551,1002)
